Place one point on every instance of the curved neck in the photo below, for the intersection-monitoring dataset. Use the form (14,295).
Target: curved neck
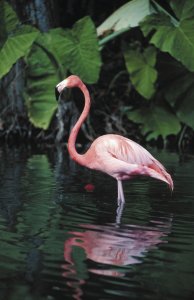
(74,132)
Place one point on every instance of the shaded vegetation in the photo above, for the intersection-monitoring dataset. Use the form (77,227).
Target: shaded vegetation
(138,65)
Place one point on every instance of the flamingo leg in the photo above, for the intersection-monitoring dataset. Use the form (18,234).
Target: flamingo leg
(121,197)
(119,212)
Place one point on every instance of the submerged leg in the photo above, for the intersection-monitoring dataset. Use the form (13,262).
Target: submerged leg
(121,197)
(119,212)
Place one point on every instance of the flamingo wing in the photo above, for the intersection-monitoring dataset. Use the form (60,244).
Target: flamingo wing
(129,158)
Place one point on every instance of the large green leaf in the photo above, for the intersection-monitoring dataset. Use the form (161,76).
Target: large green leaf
(174,36)
(8,21)
(15,40)
(51,44)
(128,15)
(77,49)
(57,41)
(155,120)
(141,69)
(54,53)
(15,47)
(177,84)
(80,50)
(42,76)
(86,60)
(184,9)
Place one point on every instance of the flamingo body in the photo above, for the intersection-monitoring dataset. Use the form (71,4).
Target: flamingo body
(113,154)
(123,158)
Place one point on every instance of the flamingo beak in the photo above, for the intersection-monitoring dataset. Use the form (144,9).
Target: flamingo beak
(58,93)
(60,87)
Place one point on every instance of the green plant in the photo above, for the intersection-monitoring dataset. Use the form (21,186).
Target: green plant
(160,66)
(48,57)
(169,90)
(16,39)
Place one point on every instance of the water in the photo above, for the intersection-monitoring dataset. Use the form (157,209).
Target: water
(58,241)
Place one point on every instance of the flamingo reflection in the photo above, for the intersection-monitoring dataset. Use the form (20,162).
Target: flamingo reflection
(110,247)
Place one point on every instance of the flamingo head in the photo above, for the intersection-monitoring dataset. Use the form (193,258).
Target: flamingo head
(70,82)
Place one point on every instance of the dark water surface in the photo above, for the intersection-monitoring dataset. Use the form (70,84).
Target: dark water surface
(58,241)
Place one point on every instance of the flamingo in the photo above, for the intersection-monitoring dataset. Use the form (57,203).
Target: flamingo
(113,154)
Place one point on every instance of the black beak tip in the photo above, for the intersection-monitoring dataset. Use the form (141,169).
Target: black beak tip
(57,94)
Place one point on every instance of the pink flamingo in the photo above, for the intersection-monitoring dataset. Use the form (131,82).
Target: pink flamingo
(113,154)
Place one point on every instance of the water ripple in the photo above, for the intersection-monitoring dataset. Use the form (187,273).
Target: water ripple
(59,242)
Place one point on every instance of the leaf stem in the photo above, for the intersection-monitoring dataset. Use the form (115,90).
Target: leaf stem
(159,7)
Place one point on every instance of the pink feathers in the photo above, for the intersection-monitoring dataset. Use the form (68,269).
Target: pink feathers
(113,154)
(122,158)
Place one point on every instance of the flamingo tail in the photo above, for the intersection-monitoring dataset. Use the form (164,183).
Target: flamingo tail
(157,171)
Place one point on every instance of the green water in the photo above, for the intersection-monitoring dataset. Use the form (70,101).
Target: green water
(58,241)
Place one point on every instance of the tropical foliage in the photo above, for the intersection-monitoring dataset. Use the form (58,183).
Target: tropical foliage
(160,63)
(48,57)
(16,39)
